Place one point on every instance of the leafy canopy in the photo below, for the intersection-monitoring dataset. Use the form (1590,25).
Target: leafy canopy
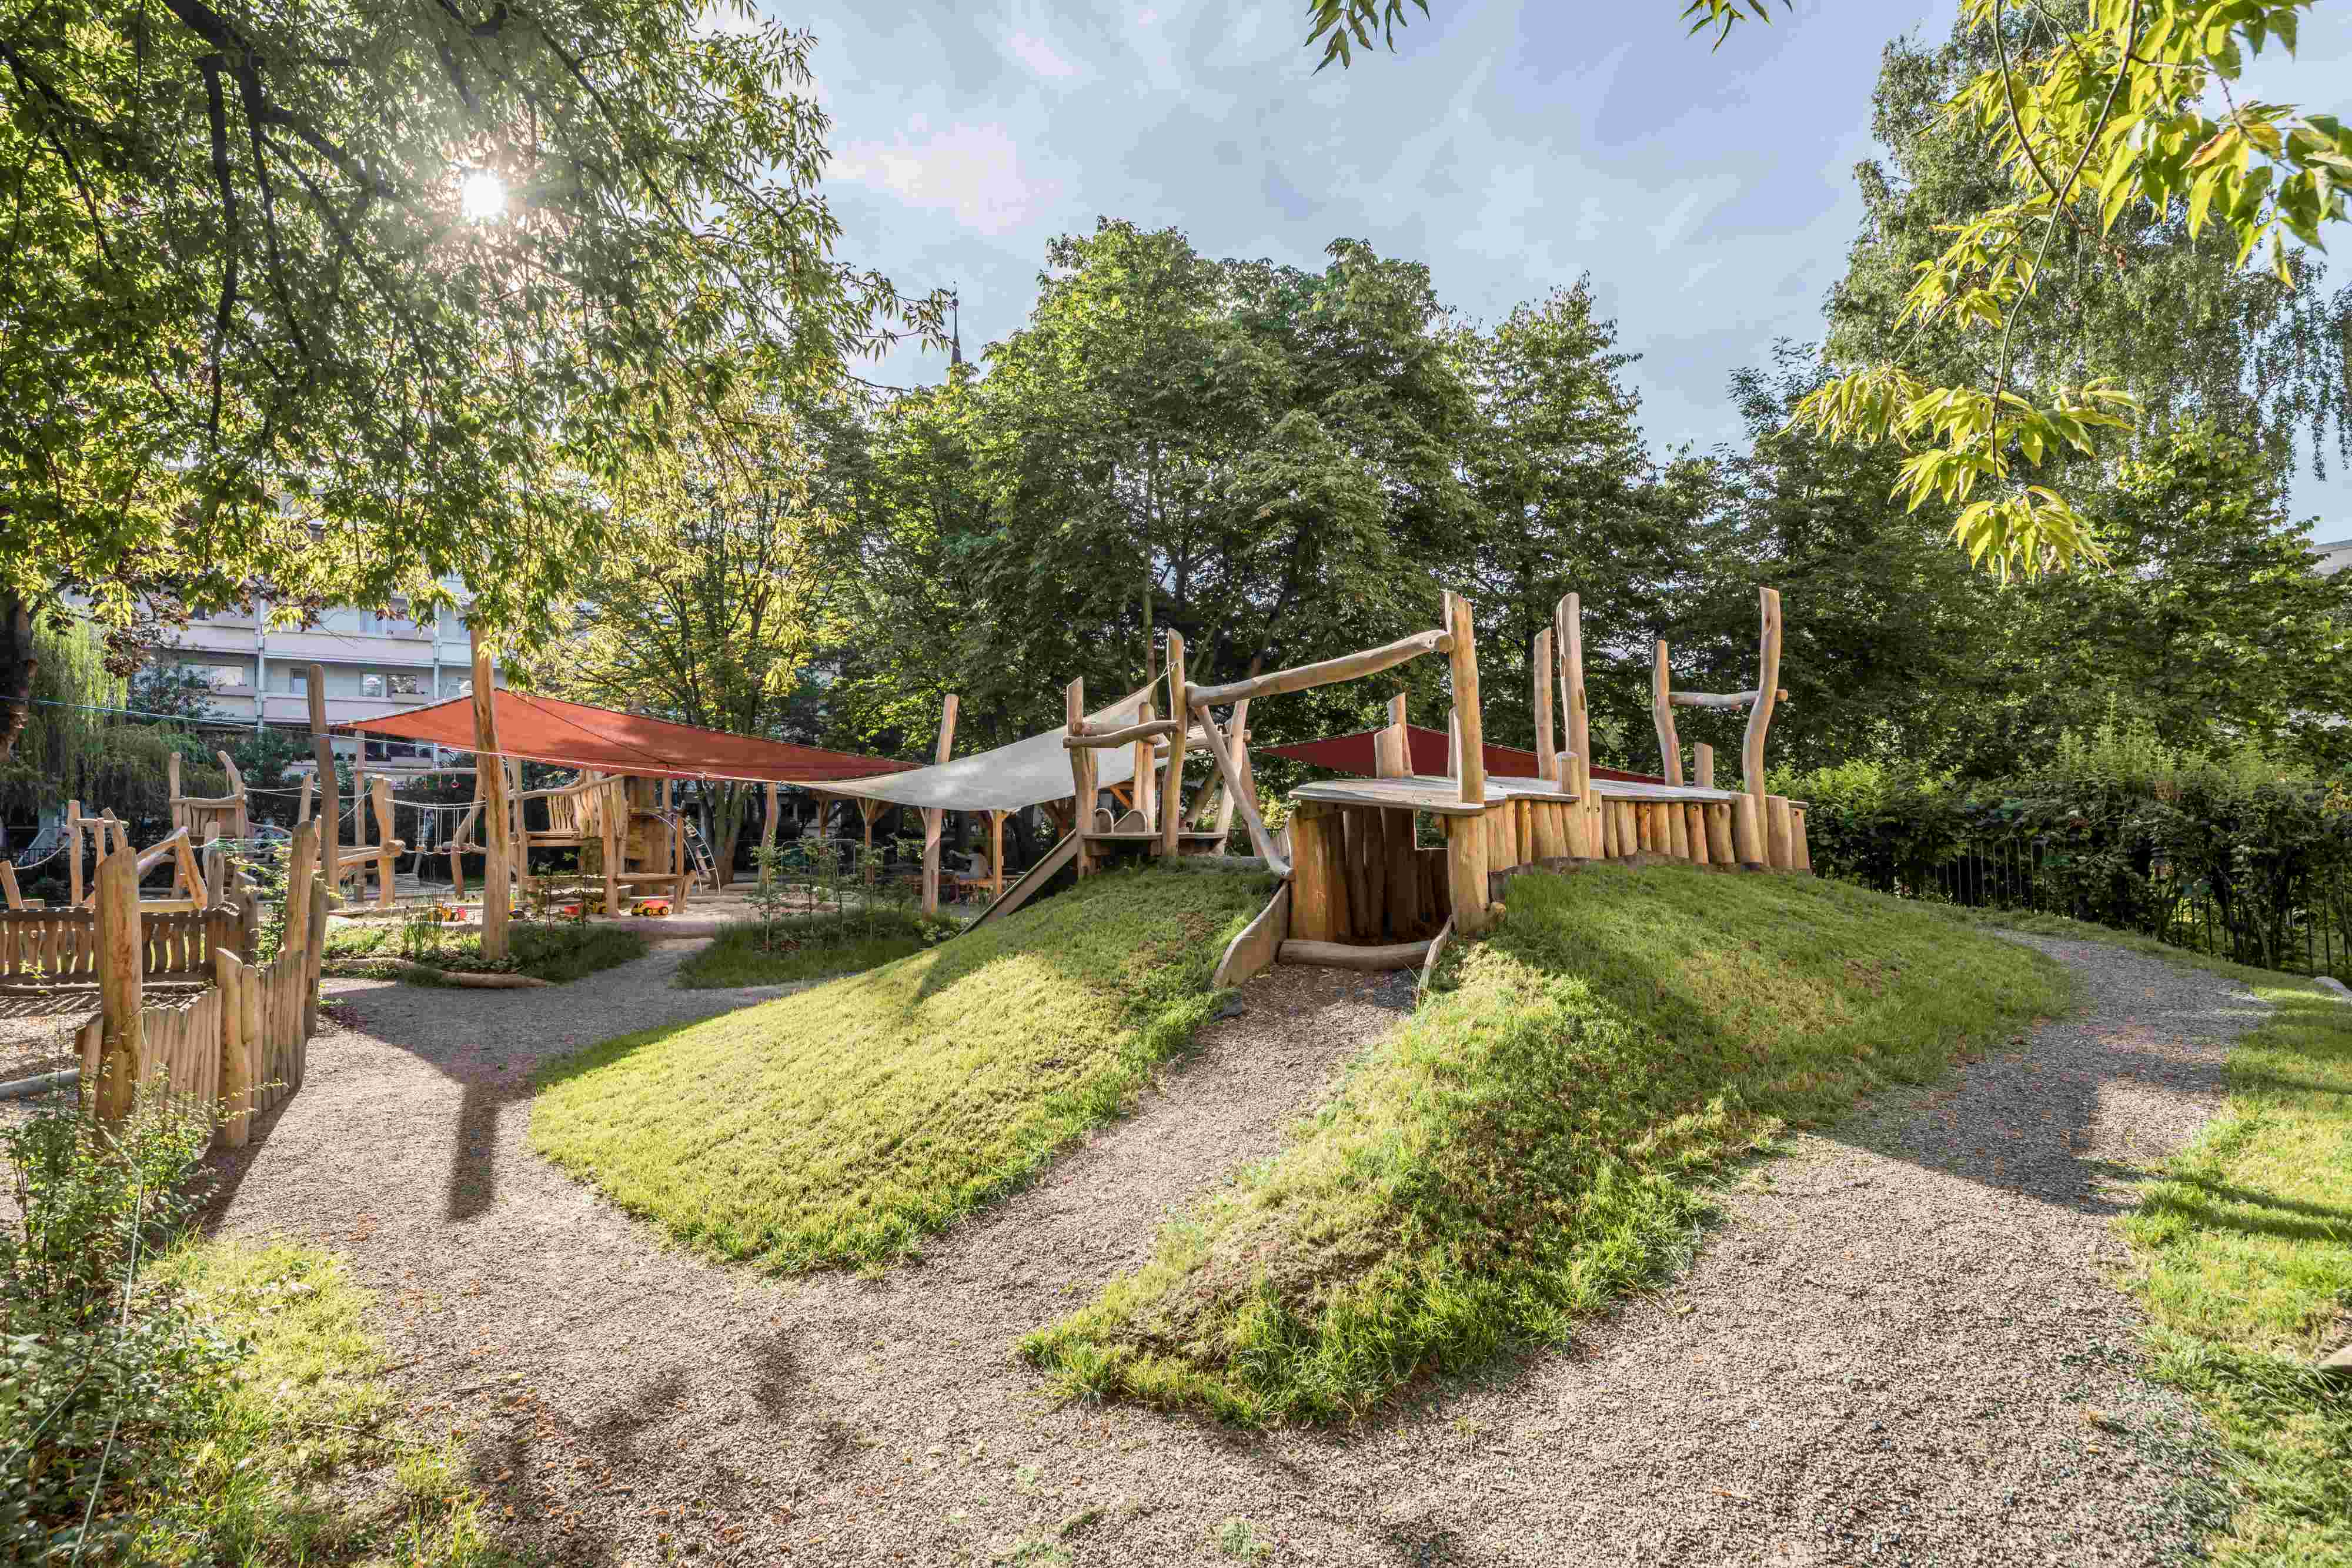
(2096,107)
(330,302)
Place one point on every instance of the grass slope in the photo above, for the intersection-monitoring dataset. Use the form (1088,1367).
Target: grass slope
(841,1124)
(807,947)
(2244,1255)
(1538,1140)
(306,1461)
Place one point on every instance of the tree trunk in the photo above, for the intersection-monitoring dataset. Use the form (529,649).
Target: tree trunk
(16,668)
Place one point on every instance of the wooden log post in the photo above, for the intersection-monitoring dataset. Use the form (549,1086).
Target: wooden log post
(1546,754)
(1677,832)
(1465,872)
(331,807)
(1393,748)
(1568,636)
(1695,830)
(935,817)
(1239,788)
(172,782)
(1462,655)
(1661,715)
(73,854)
(120,1000)
(996,855)
(1082,770)
(1404,875)
(1757,849)
(236,1050)
(1238,730)
(1803,847)
(490,774)
(1780,835)
(1312,895)
(1172,790)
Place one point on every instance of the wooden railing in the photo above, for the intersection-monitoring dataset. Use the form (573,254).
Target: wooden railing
(59,947)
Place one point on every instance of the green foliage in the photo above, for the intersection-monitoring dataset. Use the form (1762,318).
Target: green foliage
(105,1374)
(338,301)
(558,951)
(1537,1140)
(817,946)
(843,1124)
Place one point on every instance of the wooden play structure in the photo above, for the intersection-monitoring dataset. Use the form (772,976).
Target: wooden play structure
(639,836)
(176,1000)
(349,861)
(109,835)
(207,818)
(1365,890)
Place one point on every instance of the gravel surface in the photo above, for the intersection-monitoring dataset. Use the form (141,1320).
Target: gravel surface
(1899,1348)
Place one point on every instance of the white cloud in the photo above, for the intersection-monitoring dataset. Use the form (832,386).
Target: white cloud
(1041,56)
(971,171)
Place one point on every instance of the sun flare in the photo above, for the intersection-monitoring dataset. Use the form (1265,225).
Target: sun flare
(483,195)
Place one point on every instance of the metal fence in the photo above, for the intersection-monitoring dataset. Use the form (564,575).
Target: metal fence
(2308,937)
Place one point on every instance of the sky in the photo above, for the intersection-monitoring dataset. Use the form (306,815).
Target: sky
(1511,145)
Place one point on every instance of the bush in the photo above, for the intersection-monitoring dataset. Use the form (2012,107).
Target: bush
(557,951)
(106,1378)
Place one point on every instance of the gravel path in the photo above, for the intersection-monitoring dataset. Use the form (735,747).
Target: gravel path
(1899,1348)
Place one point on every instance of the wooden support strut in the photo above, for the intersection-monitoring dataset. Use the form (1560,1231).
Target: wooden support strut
(492,776)
(1347,667)
(1082,770)
(1661,715)
(1172,791)
(1568,627)
(1239,789)
(323,751)
(935,817)
(1463,654)
(1760,723)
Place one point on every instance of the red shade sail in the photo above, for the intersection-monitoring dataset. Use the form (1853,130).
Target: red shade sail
(573,735)
(1426,750)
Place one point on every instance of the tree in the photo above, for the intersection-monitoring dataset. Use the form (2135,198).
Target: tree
(332,303)
(172,688)
(2092,109)
(703,613)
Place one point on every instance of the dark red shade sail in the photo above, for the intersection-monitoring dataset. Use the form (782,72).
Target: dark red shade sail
(573,735)
(1353,754)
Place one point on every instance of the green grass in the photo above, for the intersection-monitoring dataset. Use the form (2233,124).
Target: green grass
(305,1462)
(842,1124)
(557,951)
(807,947)
(2243,1255)
(1541,1137)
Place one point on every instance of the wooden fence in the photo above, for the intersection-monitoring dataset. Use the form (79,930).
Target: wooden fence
(241,1047)
(59,947)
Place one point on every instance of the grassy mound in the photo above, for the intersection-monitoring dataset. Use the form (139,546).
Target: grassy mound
(842,1124)
(808,947)
(1537,1140)
(556,952)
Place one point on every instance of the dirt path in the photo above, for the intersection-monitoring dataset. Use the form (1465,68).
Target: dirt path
(1900,1348)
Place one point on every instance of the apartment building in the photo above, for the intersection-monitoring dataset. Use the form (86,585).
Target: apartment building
(374,664)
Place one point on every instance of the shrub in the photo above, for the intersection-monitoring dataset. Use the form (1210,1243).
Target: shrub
(104,1374)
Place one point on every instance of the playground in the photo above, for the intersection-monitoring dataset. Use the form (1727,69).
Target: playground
(1496,1099)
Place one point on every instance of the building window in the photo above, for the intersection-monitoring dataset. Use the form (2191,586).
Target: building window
(230,678)
(297,682)
(393,622)
(452,686)
(410,686)
(371,685)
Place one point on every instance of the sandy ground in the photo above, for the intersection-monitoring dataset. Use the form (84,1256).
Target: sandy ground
(1901,1345)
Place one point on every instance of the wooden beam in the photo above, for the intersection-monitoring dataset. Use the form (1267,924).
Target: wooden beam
(1260,942)
(1546,754)
(8,885)
(1082,770)
(1568,636)
(1722,699)
(492,776)
(1347,667)
(322,753)
(179,808)
(1133,734)
(1463,653)
(1172,791)
(935,817)
(1238,788)
(1759,719)
(1393,748)
(1240,743)
(1346,955)
(1662,714)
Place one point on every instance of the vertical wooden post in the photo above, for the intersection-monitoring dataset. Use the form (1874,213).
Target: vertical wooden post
(73,854)
(1661,715)
(1171,794)
(935,817)
(1465,872)
(1546,754)
(613,833)
(120,992)
(1760,721)
(1453,743)
(1803,846)
(996,854)
(314,958)
(1237,743)
(1703,766)
(1465,661)
(1393,748)
(1312,896)
(1779,833)
(1082,771)
(489,772)
(1567,630)
(172,780)
(1141,773)
(237,1050)
(323,751)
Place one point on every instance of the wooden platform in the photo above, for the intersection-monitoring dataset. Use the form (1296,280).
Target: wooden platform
(1633,789)
(1442,796)
(1152,837)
